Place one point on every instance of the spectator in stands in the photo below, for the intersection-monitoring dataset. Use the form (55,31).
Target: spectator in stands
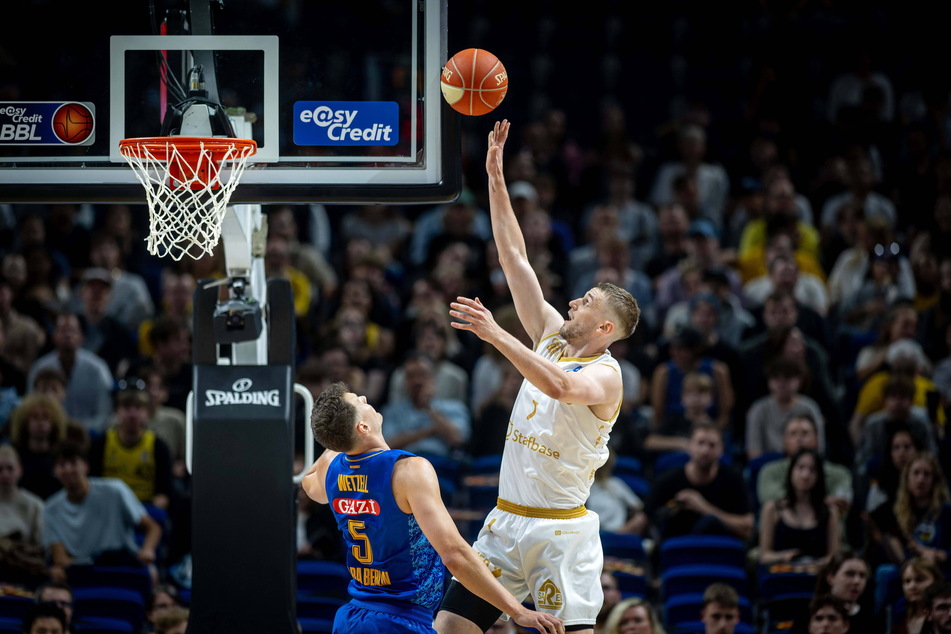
(780,230)
(938,601)
(168,423)
(672,226)
(787,381)
(633,615)
(612,596)
(618,507)
(38,425)
(900,322)
(304,257)
(845,576)
(801,432)
(23,336)
(421,423)
(917,575)
(783,273)
(60,594)
(703,250)
(365,344)
(800,525)
(45,618)
(721,609)
(93,520)
(852,266)
(923,513)
(21,523)
(277,264)
(880,288)
(687,354)
(829,615)
(673,433)
(492,420)
(178,293)
(89,391)
(170,338)
(862,182)
(713,183)
(104,335)
(131,302)
(431,337)
(905,358)
(52,382)
(132,452)
(163,598)
(174,621)
(899,394)
(703,496)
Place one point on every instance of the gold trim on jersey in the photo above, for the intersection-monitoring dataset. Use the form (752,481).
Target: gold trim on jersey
(579,359)
(550,514)
(369,455)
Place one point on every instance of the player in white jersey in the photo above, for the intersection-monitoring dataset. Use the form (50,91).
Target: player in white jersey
(540,541)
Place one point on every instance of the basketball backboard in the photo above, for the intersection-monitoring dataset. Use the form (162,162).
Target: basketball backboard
(342,98)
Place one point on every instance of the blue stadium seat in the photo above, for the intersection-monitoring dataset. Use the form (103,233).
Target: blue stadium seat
(638,483)
(751,473)
(323,578)
(8,624)
(630,547)
(628,465)
(129,577)
(102,626)
(669,461)
(15,607)
(632,585)
(693,579)
(109,603)
(702,549)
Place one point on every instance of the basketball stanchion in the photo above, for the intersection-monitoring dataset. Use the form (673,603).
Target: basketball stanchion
(188,182)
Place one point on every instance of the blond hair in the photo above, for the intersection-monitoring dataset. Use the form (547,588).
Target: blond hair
(904,503)
(624,307)
(37,402)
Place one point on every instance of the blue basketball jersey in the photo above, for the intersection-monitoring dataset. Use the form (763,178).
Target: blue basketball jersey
(391,562)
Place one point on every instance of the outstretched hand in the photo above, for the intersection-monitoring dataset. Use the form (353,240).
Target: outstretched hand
(476,318)
(540,621)
(497,137)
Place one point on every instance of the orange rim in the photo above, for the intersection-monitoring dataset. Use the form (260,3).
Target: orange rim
(188,146)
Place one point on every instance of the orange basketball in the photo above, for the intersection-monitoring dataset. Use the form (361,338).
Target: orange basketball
(474,82)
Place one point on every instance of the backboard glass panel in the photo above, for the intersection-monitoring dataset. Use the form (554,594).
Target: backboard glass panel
(343,99)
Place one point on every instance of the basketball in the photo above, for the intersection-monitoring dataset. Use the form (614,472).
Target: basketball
(73,123)
(474,82)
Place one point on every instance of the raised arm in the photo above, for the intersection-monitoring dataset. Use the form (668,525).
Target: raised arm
(417,491)
(594,385)
(538,317)
(313,481)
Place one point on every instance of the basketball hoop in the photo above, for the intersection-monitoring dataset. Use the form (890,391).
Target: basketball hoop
(188,182)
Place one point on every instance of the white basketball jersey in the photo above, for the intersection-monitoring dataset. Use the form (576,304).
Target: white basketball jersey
(552,449)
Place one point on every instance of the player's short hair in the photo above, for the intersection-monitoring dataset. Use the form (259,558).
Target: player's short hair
(722,594)
(333,418)
(822,600)
(624,307)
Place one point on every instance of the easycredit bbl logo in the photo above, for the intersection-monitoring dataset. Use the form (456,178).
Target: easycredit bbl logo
(47,123)
(346,122)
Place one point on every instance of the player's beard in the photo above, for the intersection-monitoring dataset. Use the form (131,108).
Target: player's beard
(570,332)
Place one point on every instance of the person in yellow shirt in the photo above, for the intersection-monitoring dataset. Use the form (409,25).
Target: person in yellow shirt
(904,357)
(780,219)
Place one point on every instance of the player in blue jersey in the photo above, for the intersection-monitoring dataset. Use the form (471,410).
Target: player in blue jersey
(388,507)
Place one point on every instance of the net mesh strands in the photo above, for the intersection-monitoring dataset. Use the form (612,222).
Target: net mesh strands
(188,182)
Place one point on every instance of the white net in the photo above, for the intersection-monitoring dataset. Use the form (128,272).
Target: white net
(188,185)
